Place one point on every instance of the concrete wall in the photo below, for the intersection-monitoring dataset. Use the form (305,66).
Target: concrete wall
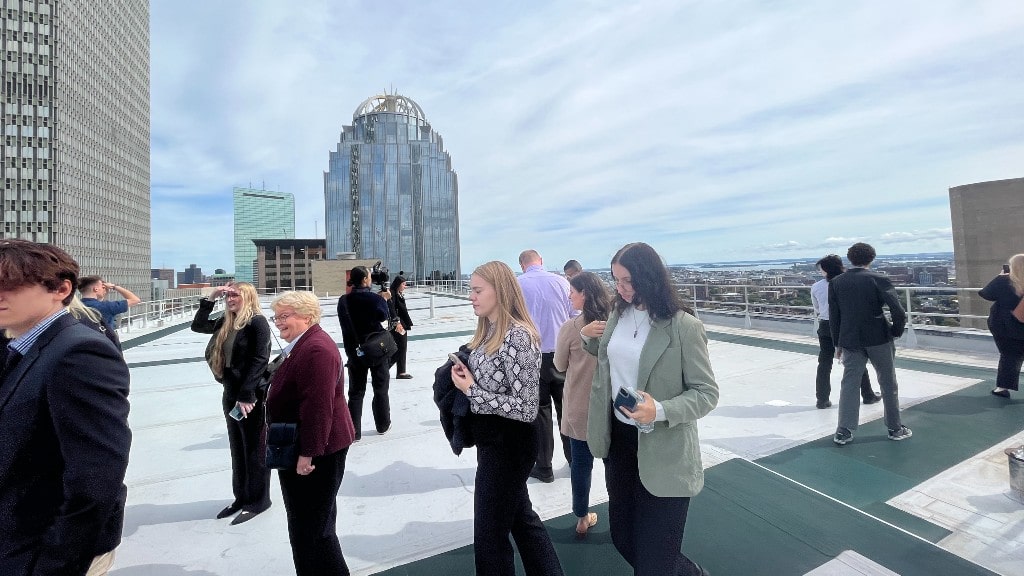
(329,276)
(988,219)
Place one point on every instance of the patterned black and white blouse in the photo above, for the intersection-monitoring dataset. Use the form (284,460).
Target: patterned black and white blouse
(508,382)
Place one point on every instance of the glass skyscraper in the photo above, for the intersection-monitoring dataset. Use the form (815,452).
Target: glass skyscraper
(259,214)
(75,105)
(390,192)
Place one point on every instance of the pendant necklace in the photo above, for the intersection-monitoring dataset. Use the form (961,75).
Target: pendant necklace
(636,323)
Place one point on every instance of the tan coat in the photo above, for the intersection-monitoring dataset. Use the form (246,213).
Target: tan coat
(578,365)
(676,370)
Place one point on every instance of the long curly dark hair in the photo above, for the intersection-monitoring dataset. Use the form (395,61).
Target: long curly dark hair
(652,285)
(597,302)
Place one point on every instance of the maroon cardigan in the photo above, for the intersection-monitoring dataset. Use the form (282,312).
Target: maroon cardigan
(308,388)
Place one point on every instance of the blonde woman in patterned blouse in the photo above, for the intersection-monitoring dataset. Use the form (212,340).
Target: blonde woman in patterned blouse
(502,383)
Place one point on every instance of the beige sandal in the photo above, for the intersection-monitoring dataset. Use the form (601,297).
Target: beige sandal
(585,523)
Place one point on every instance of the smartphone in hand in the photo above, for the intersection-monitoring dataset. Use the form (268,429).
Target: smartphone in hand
(455,359)
(236,413)
(627,398)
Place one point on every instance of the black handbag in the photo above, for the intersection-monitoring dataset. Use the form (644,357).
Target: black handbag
(378,348)
(282,446)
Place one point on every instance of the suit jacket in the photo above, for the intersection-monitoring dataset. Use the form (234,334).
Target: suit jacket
(455,413)
(249,354)
(1004,298)
(399,310)
(360,313)
(64,424)
(676,370)
(855,300)
(308,388)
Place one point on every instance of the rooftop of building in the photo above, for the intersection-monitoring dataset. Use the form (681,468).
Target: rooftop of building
(780,497)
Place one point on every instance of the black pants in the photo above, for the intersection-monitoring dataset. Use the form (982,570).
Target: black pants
(826,358)
(311,504)
(402,340)
(250,481)
(647,530)
(380,376)
(1011,356)
(551,389)
(505,453)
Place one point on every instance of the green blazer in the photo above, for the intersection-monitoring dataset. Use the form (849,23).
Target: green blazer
(675,369)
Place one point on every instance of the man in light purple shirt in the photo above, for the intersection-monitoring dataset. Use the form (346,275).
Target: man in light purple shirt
(547,300)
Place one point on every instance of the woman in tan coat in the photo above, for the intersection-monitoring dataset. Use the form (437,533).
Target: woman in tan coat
(589,295)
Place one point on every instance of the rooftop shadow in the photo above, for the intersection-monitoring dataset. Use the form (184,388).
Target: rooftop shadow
(403,478)
(159,570)
(138,515)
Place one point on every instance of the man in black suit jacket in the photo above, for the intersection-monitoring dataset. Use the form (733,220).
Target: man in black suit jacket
(63,420)
(861,332)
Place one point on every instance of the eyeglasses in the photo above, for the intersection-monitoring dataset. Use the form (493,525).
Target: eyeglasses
(281,317)
(624,282)
(233,295)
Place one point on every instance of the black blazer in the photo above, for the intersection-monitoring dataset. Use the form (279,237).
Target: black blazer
(399,310)
(855,300)
(1004,298)
(360,313)
(249,355)
(64,424)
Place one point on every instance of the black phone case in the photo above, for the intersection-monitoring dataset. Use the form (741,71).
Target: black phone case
(623,398)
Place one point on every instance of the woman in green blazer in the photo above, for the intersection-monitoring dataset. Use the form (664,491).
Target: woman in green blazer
(652,344)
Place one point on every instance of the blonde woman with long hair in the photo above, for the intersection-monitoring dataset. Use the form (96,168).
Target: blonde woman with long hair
(1005,292)
(238,353)
(502,383)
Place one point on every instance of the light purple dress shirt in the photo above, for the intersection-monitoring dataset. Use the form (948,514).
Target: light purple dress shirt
(547,300)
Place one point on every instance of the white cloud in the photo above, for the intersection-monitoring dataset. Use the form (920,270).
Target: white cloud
(707,129)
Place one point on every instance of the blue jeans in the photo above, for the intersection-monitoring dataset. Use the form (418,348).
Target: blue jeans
(580,470)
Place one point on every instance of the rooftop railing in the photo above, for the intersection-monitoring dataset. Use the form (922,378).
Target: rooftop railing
(926,307)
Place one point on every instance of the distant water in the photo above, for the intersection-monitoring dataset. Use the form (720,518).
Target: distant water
(786,263)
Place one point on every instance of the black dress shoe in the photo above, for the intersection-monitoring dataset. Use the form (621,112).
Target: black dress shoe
(545,477)
(825,404)
(1003,393)
(228,511)
(873,398)
(248,514)
(404,376)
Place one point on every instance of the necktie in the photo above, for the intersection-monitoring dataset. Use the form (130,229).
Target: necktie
(10,361)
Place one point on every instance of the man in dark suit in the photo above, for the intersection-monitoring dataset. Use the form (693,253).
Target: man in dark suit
(63,420)
(861,333)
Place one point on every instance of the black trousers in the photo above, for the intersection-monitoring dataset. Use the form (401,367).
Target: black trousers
(551,389)
(250,481)
(647,530)
(1011,356)
(311,505)
(402,340)
(380,376)
(826,358)
(505,452)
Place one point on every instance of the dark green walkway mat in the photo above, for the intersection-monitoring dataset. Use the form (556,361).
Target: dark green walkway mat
(873,469)
(747,521)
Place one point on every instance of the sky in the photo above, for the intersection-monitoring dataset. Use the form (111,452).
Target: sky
(714,131)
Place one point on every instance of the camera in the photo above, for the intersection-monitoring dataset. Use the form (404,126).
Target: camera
(379,275)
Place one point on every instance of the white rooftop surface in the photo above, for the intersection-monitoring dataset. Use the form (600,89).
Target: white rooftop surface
(406,496)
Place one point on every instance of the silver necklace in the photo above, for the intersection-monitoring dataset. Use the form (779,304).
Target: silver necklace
(636,323)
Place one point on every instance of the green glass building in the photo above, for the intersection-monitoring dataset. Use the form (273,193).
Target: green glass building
(259,214)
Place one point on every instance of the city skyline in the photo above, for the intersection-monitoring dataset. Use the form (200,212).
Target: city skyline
(714,132)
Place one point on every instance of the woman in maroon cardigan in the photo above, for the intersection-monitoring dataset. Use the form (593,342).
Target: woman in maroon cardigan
(308,389)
